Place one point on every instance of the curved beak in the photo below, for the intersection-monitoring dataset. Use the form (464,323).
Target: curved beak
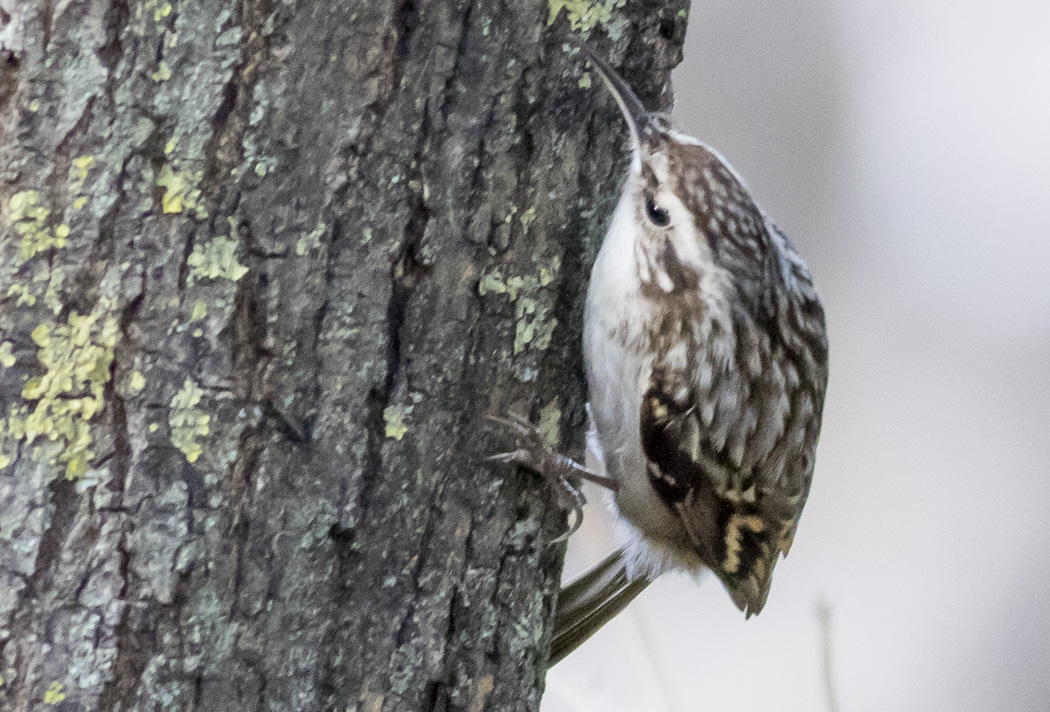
(638,118)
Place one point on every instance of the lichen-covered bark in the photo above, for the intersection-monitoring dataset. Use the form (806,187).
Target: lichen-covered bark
(264,268)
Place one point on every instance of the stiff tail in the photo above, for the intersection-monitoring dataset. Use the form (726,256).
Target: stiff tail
(590,601)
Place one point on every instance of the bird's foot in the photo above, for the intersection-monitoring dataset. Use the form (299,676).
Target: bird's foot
(560,472)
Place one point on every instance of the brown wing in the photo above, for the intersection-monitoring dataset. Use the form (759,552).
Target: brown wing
(730,445)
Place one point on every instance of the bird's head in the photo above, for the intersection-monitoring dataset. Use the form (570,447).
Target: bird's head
(693,216)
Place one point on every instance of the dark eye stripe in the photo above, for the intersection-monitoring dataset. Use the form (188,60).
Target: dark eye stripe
(657,215)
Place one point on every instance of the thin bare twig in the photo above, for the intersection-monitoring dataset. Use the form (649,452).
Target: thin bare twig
(827,659)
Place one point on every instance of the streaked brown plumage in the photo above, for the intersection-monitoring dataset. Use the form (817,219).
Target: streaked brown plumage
(706,362)
(707,365)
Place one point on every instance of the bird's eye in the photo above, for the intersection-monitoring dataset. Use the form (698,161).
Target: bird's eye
(657,215)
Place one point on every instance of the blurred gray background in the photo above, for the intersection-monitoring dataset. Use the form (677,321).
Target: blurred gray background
(905,148)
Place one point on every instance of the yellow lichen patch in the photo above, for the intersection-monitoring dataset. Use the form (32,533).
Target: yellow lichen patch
(216,259)
(533,324)
(82,164)
(163,72)
(583,14)
(24,295)
(77,356)
(200,310)
(79,202)
(187,421)
(52,292)
(7,359)
(137,382)
(29,219)
(180,191)
(52,295)
(394,418)
(54,693)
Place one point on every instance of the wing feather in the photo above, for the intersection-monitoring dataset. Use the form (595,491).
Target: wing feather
(730,450)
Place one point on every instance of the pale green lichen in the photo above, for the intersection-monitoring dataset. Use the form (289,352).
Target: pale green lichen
(547,275)
(550,424)
(310,241)
(137,382)
(585,80)
(200,310)
(394,418)
(583,15)
(216,259)
(533,324)
(187,421)
(7,359)
(527,217)
(54,693)
(492,283)
(53,292)
(30,221)
(180,190)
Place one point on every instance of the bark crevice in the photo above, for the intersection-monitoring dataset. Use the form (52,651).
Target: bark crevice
(290,510)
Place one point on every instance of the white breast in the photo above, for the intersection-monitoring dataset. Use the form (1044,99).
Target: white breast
(619,361)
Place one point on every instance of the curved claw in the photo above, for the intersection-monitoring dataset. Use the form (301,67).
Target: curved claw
(558,470)
(520,456)
(515,422)
(576,514)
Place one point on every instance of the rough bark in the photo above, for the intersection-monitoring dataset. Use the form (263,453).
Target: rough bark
(265,268)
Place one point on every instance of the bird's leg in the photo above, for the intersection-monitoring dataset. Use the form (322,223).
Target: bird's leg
(558,470)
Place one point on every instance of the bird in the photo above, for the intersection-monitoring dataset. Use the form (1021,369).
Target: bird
(706,354)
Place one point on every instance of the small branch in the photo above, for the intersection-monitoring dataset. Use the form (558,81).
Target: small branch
(826,655)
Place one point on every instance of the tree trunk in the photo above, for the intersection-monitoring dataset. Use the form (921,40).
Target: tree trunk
(265,269)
